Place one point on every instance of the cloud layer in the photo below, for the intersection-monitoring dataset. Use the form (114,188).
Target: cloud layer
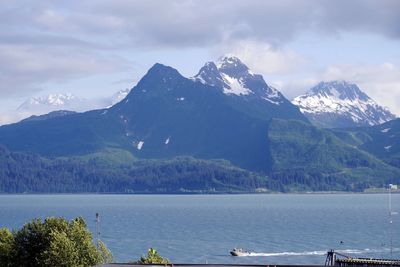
(180,23)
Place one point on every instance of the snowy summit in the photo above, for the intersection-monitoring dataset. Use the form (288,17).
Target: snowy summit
(341,104)
(235,78)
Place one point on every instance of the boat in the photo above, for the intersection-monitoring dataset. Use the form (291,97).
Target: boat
(239,252)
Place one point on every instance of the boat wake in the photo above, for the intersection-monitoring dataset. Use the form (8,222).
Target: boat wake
(319,252)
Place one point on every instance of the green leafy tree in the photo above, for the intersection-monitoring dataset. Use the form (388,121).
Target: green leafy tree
(54,242)
(153,258)
(61,252)
(30,243)
(6,247)
(82,239)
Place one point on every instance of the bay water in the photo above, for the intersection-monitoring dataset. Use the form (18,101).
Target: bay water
(278,228)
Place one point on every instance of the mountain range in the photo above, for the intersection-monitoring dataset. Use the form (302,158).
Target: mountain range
(167,115)
(333,104)
(225,118)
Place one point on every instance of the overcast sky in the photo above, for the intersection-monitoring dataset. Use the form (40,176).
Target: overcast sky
(95,48)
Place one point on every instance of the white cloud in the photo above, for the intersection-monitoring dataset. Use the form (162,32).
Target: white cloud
(25,68)
(196,23)
(263,58)
(177,23)
(11,116)
(293,88)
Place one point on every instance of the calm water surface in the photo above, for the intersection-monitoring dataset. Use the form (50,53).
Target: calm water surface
(285,228)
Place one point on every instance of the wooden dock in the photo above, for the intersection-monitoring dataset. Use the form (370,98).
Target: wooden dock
(202,265)
(345,260)
(338,262)
(366,262)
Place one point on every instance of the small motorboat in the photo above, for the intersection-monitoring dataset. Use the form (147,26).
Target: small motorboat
(239,252)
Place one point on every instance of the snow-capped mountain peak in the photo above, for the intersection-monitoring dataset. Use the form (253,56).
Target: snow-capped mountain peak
(51,100)
(234,78)
(341,104)
(232,65)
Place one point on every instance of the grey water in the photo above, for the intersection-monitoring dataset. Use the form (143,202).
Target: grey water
(279,228)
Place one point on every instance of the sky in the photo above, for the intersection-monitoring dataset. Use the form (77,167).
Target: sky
(92,49)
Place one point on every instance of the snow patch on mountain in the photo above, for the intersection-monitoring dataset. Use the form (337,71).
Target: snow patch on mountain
(234,86)
(140,145)
(345,102)
(271,101)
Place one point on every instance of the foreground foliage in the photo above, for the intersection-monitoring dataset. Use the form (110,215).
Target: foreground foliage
(52,242)
(153,258)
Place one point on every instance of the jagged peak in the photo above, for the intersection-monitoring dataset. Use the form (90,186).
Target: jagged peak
(235,78)
(228,63)
(339,88)
(228,59)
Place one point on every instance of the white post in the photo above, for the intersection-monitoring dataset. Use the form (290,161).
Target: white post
(390,221)
(97,229)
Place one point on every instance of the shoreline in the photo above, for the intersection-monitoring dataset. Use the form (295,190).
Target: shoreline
(205,194)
